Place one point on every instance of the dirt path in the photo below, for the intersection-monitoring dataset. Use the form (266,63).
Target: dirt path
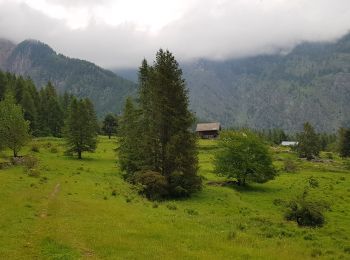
(53,194)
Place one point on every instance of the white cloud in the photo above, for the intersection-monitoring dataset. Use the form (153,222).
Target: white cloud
(122,32)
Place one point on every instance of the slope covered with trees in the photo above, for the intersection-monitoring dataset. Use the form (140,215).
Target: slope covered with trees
(80,78)
(311,83)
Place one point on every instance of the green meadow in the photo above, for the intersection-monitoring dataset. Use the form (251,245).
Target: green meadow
(82,209)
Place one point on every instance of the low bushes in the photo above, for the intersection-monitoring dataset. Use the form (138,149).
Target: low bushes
(290,166)
(306,211)
(153,185)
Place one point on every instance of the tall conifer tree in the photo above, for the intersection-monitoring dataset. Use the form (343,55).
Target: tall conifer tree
(81,127)
(167,145)
(344,142)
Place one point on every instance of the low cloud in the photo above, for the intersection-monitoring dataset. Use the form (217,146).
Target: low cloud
(191,29)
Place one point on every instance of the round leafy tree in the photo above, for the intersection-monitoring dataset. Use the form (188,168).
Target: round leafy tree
(244,156)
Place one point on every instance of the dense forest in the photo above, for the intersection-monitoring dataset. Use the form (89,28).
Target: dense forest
(44,108)
(83,79)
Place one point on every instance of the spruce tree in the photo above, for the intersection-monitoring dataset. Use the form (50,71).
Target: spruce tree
(29,108)
(344,142)
(50,114)
(156,135)
(178,153)
(109,125)
(129,143)
(81,127)
(308,142)
(14,129)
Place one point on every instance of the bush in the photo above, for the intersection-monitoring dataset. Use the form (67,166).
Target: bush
(30,162)
(154,185)
(329,155)
(180,186)
(306,212)
(35,148)
(290,166)
(171,207)
(33,172)
(313,182)
(53,149)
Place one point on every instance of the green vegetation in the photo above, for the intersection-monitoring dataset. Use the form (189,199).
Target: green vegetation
(110,125)
(344,142)
(14,129)
(81,127)
(158,148)
(310,83)
(84,209)
(243,156)
(84,79)
(308,143)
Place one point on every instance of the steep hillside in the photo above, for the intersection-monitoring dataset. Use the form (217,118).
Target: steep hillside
(312,83)
(81,78)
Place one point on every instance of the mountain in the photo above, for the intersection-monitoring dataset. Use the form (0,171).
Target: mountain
(81,78)
(311,83)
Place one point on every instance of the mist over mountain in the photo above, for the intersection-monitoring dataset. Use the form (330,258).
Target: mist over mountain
(83,79)
(311,83)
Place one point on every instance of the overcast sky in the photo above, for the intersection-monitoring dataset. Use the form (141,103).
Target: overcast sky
(119,33)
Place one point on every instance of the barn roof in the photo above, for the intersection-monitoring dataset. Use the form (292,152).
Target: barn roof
(208,127)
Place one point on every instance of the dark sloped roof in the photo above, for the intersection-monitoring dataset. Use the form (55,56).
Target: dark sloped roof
(208,127)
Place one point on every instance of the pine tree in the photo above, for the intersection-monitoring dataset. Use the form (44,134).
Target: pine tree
(29,108)
(129,144)
(81,127)
(14,129)
(178,153)
(156,136)
(50,113)
(308,142)
(344,142)
(109,125)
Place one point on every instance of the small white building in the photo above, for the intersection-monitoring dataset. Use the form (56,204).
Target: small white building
(289,143)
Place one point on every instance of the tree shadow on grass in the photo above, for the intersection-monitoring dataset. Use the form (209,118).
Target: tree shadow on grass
(258,188)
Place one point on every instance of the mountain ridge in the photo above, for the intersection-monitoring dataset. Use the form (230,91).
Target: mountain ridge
(82,78)
(310,83)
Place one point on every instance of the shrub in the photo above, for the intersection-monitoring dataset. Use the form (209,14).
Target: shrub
(313,182)
(33,172)
(191,212)
(29,162)
(180,186)
(53,149)
(154,185)
(35,148)
(329,155)
(306,212)
(290,166)
(171,206)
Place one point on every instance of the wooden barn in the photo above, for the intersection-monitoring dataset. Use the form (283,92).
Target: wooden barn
(208,130)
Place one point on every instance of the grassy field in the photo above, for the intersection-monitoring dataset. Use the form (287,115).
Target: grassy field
(82,209)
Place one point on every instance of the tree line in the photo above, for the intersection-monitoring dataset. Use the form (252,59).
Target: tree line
(26,111)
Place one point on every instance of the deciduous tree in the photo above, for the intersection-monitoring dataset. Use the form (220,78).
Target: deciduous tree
(14,129)
(243,156)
